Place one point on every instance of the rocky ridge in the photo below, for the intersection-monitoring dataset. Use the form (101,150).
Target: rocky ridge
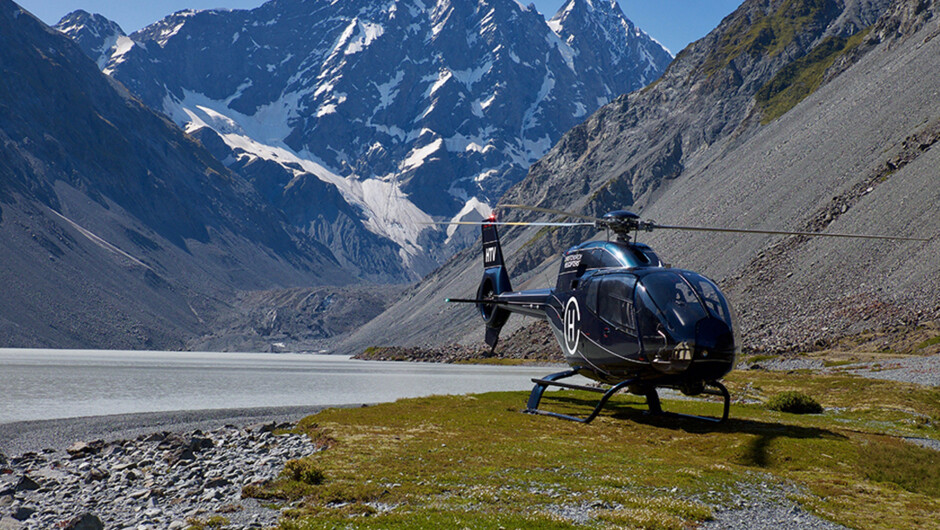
(360,121)
(162,480)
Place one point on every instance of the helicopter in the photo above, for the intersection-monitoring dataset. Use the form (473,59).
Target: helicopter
(621,316)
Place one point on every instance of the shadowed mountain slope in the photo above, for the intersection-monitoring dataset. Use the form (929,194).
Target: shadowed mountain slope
(116,229)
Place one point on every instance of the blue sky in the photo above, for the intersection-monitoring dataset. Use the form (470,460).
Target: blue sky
(674,23)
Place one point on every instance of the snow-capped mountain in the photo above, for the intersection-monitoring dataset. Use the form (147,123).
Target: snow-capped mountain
(96,35)
(364,121)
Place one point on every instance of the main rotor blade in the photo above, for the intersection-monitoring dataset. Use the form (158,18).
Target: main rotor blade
(503,223)
(782,232)
(546,210)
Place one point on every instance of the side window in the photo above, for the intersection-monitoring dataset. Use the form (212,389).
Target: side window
(615,301)
(592,294)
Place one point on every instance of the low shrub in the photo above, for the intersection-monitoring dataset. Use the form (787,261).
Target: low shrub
(303,471)
(795,403)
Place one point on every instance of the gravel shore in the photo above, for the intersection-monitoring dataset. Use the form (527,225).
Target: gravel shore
(918,370)
(20,437)
(144,471)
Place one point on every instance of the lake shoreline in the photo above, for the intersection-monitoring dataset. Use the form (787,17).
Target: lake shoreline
(20,437)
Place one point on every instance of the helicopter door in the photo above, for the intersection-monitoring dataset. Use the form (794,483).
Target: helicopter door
(617,318)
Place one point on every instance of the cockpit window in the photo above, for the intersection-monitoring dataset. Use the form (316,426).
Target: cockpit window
(710,295)
(676,303)
(615,301)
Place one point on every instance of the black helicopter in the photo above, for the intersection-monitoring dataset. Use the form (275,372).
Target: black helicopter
(621,316)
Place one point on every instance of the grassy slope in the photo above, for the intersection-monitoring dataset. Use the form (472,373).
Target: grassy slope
(475,461)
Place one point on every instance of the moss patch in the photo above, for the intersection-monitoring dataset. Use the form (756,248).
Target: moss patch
(802,77)
(767,35)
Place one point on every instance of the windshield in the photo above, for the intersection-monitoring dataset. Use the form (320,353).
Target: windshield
(672,302)
(710,295)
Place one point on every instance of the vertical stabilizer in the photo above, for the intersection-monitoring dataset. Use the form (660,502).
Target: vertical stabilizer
(495,281)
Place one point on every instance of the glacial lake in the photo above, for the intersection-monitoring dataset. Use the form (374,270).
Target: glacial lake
(51,384)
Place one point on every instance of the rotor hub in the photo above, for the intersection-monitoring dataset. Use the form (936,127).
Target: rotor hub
(622,223)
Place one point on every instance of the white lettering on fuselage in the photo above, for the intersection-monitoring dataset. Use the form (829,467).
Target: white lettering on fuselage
(489,254)
(572,260)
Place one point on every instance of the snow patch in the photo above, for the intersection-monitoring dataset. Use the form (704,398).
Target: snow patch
(442,79)
(474,210)
(389,91)
(477,144)
(417,156)
(167,32)
(388,210)
(368,32)
(121,47)
(325,109)
(472,76)
(548,83)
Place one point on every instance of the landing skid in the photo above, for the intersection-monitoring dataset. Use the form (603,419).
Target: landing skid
(713,388)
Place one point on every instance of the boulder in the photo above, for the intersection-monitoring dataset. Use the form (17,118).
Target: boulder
(23,513)
(9,523)
(83,449)
(27,484)
(85,521)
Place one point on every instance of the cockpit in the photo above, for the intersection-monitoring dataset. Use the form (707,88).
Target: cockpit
(674,316)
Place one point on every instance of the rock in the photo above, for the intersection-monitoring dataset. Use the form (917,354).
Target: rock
(262,427)
(156,437)
(86,521)
(9,523)
(95,474)
(181,454)
(26,484)
(216,482)
(198,443)
(137,487)
(83,449)
(23,513)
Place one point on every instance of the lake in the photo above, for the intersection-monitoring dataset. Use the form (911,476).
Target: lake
(50,384)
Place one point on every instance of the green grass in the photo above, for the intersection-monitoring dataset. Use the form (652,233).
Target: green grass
(927,343)
(768,35)
(477,462)
(802,77)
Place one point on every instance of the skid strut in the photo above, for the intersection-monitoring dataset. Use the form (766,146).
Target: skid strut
(652,397)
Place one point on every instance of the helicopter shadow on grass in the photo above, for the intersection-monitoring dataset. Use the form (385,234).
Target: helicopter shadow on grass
(755,454)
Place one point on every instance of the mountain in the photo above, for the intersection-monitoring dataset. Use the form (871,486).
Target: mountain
(116,229)
(363,122)
(97,36)
(791,114)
